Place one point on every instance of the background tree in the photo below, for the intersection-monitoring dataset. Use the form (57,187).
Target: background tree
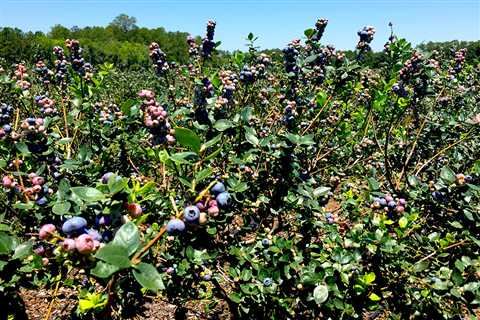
(124,22)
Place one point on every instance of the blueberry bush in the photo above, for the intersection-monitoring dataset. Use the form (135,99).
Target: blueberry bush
(311,186)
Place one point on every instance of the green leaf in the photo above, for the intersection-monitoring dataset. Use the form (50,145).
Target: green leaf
(320,294)
(374,297)
(223,124)
(403,222)
(6,243)
(61,208)
(104,270)
(22,147)
(251,136)
(115,255)
(321,191)
(205,173)
(188,138)
(116,183)
(128,237)
(369,278)
(148,276)
(22,250)
(236,297)
(183,157)
(447,175)
(88,194)
(212,142)
(373,184)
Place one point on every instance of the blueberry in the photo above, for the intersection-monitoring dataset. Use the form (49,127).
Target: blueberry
(106,176)
(267,282)
(468,178)
(392,205)
(376,200)
(265,242)
(94,234)
(218,188)
(175,226)
(438,196)
(328,215)
(103,220)
(191,214)
(402,202)
(74,225)
(223,199)
(382,202)
(7,128)
(207,277)
(331,220)
(107,236)
(41,201)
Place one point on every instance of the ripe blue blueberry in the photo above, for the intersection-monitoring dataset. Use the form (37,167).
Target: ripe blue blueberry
(265,242)
(392,205)
(382,202)
(438,196)
(94,234)
(74,225)
(41,201)
(175,226)
(106,176)
(218,188)
(191,214)
(223,199)
(267,282)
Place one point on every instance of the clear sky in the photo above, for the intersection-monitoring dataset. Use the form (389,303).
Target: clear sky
(276,22)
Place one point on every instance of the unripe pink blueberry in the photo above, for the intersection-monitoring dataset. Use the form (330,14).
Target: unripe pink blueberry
(389,198)
(213,211)
(200,206)
(400,209)
(38,181)
(134,209)
(85,244)
(46,231)
(45,261)
(7,181)
(212,203)
(68,245)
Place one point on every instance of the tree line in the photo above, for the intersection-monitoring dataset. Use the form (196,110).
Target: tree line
(123,43)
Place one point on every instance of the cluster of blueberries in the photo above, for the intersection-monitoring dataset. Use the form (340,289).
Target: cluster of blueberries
(229,81)
(20,75)
(60,65)
(197,214)
(389,204)
(44,73)
(108,113)
(38,190)
(460,180)
(459,60)
(410,68)
(320,26)
(365,37)
(249,74)
(76,59)
(78,237)
(47,105)
(6,113)
(290,54)
(289,114)
(155,118)
(159,59)
(192,46)
(34,131)
(207,43)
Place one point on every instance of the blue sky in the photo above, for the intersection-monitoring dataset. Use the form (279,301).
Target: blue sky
(276,22)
